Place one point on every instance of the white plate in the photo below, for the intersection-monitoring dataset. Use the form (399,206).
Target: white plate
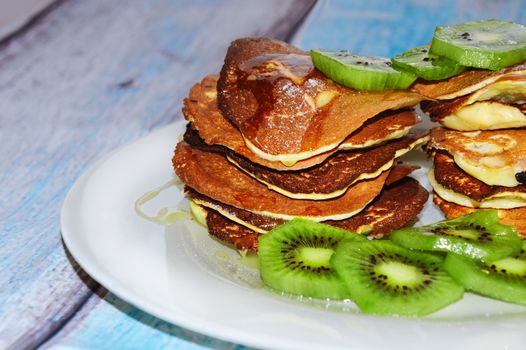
(181,275)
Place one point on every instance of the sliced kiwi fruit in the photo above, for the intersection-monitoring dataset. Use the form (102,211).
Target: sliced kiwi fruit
(488,44)
(503,279)
(361,72)
(384,278)
(294,258)
(429,67)
(477,236)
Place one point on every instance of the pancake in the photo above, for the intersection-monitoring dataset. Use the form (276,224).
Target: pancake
(467,82)
(213,176)
(496,157)
(514,217)
(285,109)
(388,212)
(499,105)
(455,185)
(255,222)
(263,224)
(334,176)
(396,207)
(386,126)
(228,231)
(200,108)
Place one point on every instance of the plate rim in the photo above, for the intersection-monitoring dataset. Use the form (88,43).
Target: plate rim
(182,320)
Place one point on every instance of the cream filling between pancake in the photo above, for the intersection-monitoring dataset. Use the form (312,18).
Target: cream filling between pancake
(490,170)
(503,200)
(314,218)
(225,213)
(398,134)
(509,91)
(485,116)
(292,158)
(481,84)
(277,216)
(323,196)
(198,213)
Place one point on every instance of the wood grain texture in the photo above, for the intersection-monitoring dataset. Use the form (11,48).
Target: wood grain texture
(94,75)
(88,77)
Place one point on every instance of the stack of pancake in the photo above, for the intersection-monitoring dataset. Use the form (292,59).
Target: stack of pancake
(479,155)
(272,138)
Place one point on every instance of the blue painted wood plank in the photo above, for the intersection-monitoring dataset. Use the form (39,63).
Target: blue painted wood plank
(94,75)
(87,78)
(112,323)
(386,28)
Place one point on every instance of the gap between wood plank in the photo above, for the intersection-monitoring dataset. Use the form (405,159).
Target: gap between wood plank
(30,23)
(284,29)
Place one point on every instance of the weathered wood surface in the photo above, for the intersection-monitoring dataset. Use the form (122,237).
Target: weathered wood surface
(93,75)
(88,77)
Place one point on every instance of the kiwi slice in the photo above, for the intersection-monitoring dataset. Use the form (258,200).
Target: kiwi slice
(429,67)
(478,236)
(384,278)
(361,72)
(294,258)
(490,44)
(503,279)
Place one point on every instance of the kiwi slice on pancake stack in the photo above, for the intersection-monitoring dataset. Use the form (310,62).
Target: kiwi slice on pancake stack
(488,44)
(429,67)
(503,279)
(295,258)
(361,72)
(477,236)
(384,278)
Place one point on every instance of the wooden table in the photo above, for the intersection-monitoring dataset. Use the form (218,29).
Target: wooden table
(90,76)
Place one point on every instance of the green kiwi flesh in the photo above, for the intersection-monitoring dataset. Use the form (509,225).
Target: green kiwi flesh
(361,72)
(488,44)
(295,258)
(477,236)
(503,279)
(384,278)
(418,61)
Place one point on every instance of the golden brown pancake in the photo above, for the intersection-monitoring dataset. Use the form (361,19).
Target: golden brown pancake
(396,207)
(388,125)
(515,217)
(496,157)
(200,108)
(285,109)
(499,105)
(331,178)
(228,231)
(450,176)
(263,224)
(255,222)
(213,176)
(465,82)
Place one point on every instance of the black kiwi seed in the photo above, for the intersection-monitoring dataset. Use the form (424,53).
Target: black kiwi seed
(503,279)
(469,44)
(294,258)
(478,236)
(418,61)
(521,177)
(384,278)
(361,72)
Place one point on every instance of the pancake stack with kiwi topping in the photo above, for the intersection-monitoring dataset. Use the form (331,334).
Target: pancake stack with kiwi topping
(479,153)
(272,138)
